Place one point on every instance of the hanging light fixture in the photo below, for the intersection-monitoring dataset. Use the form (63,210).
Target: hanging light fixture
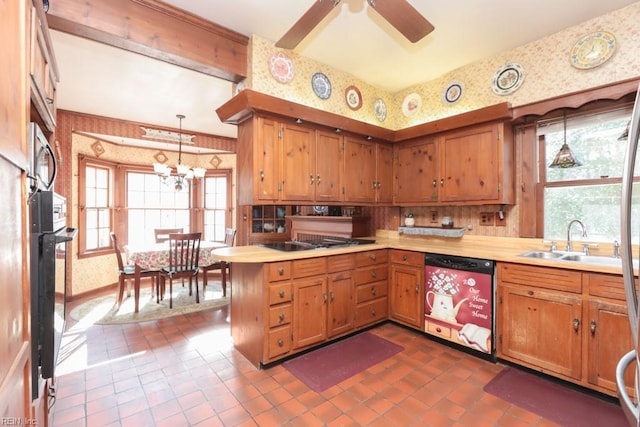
(565,157)
(183,172)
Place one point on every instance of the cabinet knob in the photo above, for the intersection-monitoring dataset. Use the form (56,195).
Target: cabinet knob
(310,179)
(576,324)
(261,175)
(373,291)
(592,327)
(373,311)
(404,257)
(441,182)
(282,294)
(281,271)
(373,274)
(435,182)
(324,296)
(280,342)
(417,288)
(331,295)
(318,179)
(281,317)
(372,256)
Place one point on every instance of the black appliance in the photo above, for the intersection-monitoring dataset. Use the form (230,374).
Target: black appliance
(49,263)
(42,162)
(460,301)
(325,243)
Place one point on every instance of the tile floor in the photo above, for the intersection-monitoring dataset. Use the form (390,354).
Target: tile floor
(184,371)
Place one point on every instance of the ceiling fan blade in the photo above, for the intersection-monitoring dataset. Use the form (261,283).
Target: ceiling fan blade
(404,18)
(306,23)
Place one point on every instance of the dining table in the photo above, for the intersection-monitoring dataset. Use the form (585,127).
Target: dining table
(155,256)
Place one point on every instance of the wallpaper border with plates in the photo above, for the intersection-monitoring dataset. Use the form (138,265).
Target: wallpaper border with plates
(538,70)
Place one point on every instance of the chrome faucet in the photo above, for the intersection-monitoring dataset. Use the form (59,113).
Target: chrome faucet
(584,232)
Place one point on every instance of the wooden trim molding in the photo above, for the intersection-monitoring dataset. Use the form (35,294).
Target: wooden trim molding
(157,30)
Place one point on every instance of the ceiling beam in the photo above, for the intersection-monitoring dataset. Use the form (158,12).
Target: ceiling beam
(157,30)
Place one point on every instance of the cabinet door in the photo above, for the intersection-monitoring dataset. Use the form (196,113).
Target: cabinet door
(384,173)
(266,174)
(416,172)
(309,311)
(341,306)
(406,295)
(359,170)
(329,167)
(471,165)
(541,329)
(609,338)
(298,178)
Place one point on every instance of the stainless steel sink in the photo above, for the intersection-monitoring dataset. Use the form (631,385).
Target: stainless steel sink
(542,254)
(577,257)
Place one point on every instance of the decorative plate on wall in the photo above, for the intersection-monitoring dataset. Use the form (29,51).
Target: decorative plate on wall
(321,85)
(281,67)
(353,97)
(452,93)
(411,104)
(380,109)
(593,50)
(508,79)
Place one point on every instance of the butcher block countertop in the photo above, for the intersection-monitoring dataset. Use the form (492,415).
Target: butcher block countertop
(505,249)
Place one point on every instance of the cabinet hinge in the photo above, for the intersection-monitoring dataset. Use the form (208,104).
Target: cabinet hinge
(498,135)
(500,299)
(279,133)
(279,186)
(499,188)
(342,145)
(500,339)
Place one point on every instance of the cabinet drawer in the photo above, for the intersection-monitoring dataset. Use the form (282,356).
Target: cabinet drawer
(341,263)
(309,267)
(371,312)
(278,271)
(279,315)
(371,291)
(606,286)
(541,277)
(438,329)
(364,259)
(407,258)
(372,274)
(279,293)
(279,341)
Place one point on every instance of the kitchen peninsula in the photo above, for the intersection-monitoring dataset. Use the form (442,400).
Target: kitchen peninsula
(283,303)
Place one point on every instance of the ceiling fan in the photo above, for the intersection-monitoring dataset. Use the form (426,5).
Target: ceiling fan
(400,14)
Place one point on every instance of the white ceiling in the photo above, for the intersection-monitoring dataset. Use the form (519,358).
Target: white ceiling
(106,81)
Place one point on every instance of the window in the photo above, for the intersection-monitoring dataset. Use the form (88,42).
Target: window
(591,192)
(216,206)
(96,203)
(151,204)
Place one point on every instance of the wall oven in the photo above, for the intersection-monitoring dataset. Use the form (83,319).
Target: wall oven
(49,262)
(460,298)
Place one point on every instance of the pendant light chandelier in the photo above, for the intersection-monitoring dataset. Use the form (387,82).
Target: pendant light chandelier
(565,157)
(183,172)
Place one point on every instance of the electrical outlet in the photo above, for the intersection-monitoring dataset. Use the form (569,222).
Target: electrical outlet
(487,218)
(434,217)
(501,222)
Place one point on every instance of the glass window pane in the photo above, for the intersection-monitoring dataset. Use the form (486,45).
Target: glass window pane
(92,218)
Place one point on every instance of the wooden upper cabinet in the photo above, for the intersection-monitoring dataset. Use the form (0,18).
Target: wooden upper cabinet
(298,165)
(470,166)
(265,170)
(329,166)
(415,175)
(476,165)
(43,70)
(368,171)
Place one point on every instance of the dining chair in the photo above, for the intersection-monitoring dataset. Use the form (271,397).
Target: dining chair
(162,234)
(128,272)
(184,252)
(229,238)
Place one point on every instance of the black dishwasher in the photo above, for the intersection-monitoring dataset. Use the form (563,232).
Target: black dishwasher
(459,301)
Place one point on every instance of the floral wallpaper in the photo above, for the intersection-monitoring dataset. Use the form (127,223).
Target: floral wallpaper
(545,63)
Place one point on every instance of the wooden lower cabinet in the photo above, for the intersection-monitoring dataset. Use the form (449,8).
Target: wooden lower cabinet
(406,288)
(371,282)
(576,332)
(281,308)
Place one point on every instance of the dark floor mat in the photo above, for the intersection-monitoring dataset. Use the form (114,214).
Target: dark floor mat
(327,366)
(553,401)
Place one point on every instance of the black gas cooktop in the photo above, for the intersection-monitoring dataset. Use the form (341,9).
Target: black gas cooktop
(326,243)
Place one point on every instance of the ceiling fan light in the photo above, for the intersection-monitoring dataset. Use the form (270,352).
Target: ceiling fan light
(565,158)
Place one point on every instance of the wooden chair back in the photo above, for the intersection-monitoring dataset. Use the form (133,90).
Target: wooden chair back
(118,251)
(162,234)
(229,236)
(184,251)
